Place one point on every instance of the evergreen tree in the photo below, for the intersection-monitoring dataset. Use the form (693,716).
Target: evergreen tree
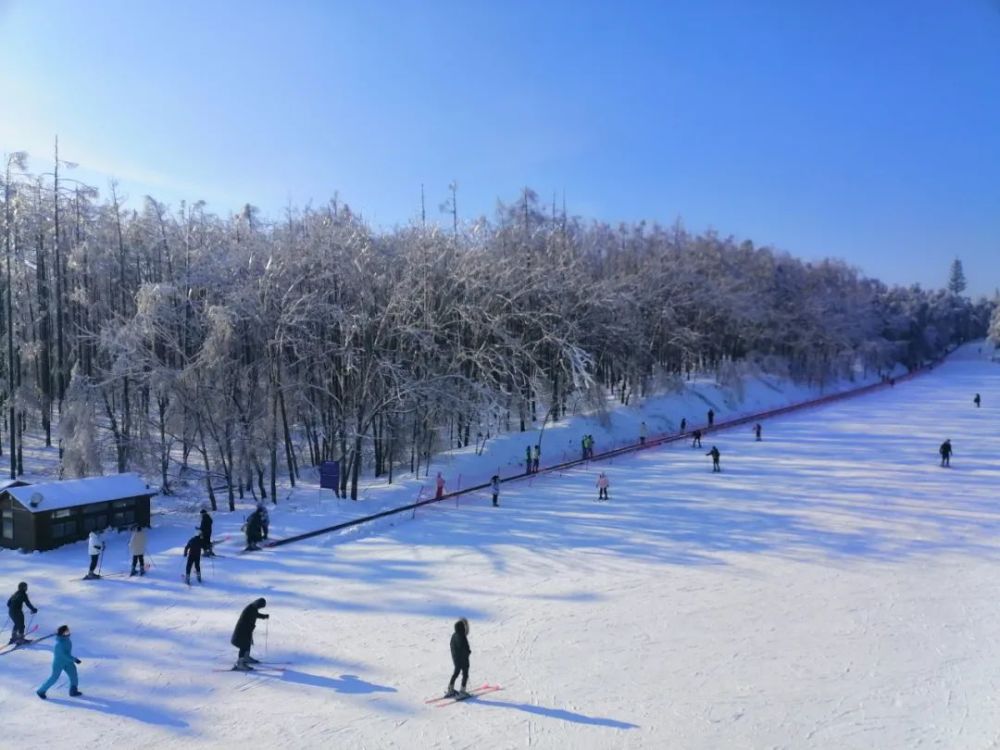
(956,280)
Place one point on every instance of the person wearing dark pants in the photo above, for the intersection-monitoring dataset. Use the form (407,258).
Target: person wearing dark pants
(711,417)
(945,451)
(62,661)
(977,401)
(243,633)
(696,439)
(757,430)
(94,546)
(137,546)
(602,486)
(460,652)
(495,489)
(205,527)
(714,453)
(192,551)
(15,609)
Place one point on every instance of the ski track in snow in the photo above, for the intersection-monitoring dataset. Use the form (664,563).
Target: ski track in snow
(832,588)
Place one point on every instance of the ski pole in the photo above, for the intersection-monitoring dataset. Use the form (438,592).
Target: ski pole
(267,627)
(100,562)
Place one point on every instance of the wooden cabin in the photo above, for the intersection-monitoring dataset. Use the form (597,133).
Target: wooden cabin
(50,514)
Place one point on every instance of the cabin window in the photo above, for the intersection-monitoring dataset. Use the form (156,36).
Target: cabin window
(63,513)
(122,504)
(95,523)
(8,524)
(63,529)
(123,518)
(96,508)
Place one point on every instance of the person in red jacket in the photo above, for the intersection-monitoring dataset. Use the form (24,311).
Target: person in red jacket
(439,493)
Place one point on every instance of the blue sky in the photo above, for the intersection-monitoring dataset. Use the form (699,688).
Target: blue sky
(868,131)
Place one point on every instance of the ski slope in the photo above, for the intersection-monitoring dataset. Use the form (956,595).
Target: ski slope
(832,588)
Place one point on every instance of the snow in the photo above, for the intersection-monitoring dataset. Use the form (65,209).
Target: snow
(70,493)
(831,588)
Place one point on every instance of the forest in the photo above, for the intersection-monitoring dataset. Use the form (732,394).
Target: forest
(242,349)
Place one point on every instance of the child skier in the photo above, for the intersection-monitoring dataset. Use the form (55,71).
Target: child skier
(243,633)
(714,453)
(137,546)
(192,551)
(757,430)
(439,492)
(205,527)
(696,439)
(62,661)
(602,486)
(945,451)
(460,652)
(15,609)
(495,489)
(95,545)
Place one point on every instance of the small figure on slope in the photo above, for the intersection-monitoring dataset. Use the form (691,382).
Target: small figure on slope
(439,487)
(602,486)
(460,652)
(643,432)
(95,546)
(192,551)
(253,531)
(15,609)
(495,489)
(536,459)
(757,430)
(583,448)
(711,417)
(714,453)
(137,546)
(527,459)
(590,446)
(62,661)
(243,633)
(684,424)
(977,401)
(205,527)
(696,439)
(265,520)
(945,451)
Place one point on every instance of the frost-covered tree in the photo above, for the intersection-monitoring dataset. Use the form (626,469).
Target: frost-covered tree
(956,277)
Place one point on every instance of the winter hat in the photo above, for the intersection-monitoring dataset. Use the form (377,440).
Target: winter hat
(22,586)
(260,603)
(465,624)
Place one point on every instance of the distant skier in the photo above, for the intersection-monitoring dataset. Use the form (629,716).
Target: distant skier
(15,610)
(696,439)
(460,652)
(243,633)
(590,446)
(583,448)
(643,431)
(62,661)
(495,489)
(602,486)
(265,520)
(711,417)
(192,552)
(757,430)
(977,401)
(945,450)
(137,546)
(527,459)
(253,531)
(95,546)
(714,453)
(439,487)
(205,527)
(536,459)
(684,424)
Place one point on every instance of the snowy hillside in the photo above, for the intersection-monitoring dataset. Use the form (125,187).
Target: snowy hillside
(830,588)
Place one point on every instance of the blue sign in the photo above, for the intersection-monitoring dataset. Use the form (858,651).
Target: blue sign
(329,475)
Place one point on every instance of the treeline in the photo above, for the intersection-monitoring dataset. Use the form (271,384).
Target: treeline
(244,348)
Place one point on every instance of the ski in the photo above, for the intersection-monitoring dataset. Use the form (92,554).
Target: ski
(263,668)
(447,700)
(27,642)
(15,646)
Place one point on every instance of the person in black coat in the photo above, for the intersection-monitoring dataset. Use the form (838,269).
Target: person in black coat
(757,430)
(711,417)
(192,551)
(977,401)
(460,657)
(945,451)
(253,531)
(714,453)
(243,633)
(205,527)
(696,439)
(15,608)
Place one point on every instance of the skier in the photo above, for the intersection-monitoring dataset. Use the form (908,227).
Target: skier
(252,528)
(696,439)
(583,447)
(537,458)
(137,546)
(460,652)
(590,446)
(684,424)
(206,533)
(62,661)
(711,417)
(15,609)
(714,453)
(527,459)
(265,519)
(756,431)
(602,486)
(243,633)
(95,545)
(642,433)
(977,401)
(192,551)
(439,493)
(495,489)
(945,451)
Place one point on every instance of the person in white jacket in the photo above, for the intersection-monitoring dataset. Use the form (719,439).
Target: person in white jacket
(137,546)
(95,544)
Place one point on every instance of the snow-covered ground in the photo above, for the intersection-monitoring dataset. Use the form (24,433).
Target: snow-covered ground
(832,588)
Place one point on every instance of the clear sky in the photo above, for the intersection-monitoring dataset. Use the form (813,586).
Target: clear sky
(862,129)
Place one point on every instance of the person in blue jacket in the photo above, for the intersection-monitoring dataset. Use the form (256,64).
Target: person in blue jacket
(62,661)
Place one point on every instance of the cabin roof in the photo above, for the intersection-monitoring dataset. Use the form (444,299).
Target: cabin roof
(72,493)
